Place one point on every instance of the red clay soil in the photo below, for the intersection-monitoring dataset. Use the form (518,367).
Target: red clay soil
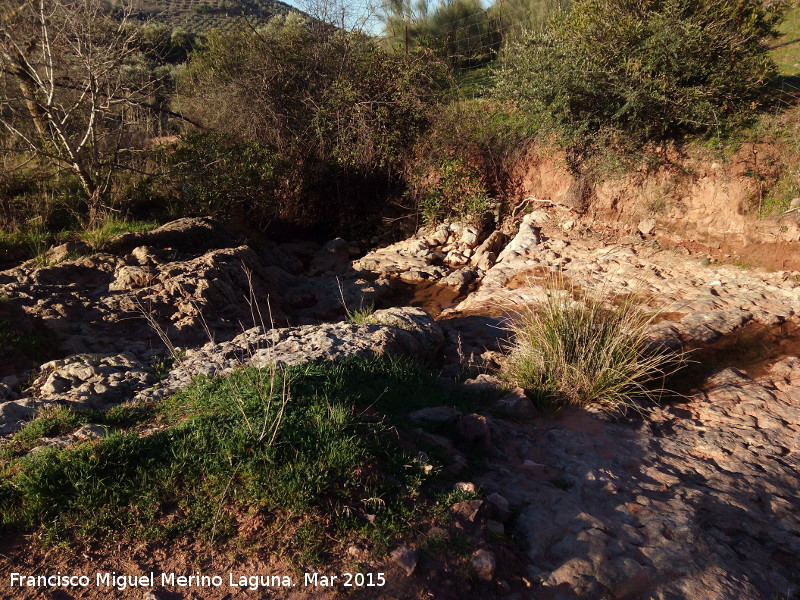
(440,576)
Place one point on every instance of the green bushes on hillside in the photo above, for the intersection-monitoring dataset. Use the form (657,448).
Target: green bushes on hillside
(648,69)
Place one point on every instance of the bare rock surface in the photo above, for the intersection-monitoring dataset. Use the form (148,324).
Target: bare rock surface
(100,381)
(451,254)
(83,381)
(183,281)
(397,331)
(699,500)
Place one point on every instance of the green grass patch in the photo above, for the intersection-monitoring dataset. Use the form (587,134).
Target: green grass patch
(362,316)
(61,420)
(306,450)
(786,52)
(98,236)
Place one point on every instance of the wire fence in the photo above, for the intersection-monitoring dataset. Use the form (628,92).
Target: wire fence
(473,42)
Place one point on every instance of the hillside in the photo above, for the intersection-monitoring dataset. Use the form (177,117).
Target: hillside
(198,16)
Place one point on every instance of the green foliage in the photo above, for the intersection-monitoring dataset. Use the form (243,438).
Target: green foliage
(294,446)
(786,53)
(647,69)
(211,174)
(60,420)
(462,31)
(482,134)
(36,202)
(111,226)
(576,348)
(781,194)
(453,190)
(163,44)
(337,109)
(361,316)
(520,16)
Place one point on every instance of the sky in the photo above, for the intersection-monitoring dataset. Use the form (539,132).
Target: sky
(355,14)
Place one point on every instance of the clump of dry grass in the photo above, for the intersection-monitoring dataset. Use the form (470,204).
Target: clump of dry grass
(577,348)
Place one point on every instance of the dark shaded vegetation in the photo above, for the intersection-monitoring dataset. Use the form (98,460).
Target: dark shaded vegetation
(24,342)
(338,111)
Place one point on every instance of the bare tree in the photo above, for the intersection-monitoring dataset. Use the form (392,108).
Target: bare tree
(69,90)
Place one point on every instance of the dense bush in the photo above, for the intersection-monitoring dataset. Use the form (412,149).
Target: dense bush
(209,174)
(462,32)
(488,135)
(340,111)
(450,189)
(645,68)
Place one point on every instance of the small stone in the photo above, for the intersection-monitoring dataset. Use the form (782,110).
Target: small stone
(475,429)
(467,511)
(406,557)
(56,384)
(499,506)
(465,486)
(484,564)
(495,527)
(484,383)
(91,432)
(516,404)
(437,532)
(795,203)
(436,414)
(469,236)
(647,226)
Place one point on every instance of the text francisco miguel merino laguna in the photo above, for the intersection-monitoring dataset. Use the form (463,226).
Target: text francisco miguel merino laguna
(121,581)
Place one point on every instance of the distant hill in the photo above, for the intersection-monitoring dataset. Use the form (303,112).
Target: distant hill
(198,16)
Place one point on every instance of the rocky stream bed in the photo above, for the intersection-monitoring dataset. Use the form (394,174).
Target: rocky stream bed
(697,499)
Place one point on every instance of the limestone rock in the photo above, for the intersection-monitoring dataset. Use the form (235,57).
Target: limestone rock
(436,414)
(468,511)
(483,564)
(647,226)
(406,558)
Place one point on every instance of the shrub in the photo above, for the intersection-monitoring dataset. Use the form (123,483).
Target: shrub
(453,190)
(586,351)
(646,68)
(337,109)
(485,134)
(461,31)
(213,174)
(111,226)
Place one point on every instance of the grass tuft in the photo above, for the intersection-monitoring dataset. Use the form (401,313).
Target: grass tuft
(362,316)
(98,236)
(576,348)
